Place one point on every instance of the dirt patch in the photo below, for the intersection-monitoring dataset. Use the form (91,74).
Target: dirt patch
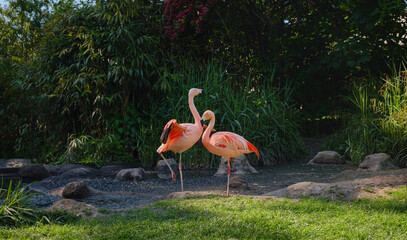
(362,184)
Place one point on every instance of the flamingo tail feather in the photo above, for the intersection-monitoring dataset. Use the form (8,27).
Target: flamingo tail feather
(254,149)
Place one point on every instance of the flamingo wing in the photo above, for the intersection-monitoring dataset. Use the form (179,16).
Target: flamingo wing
(228,141)
(172,130)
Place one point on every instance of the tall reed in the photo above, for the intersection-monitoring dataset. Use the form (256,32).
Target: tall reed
(264,115)
(393,110)
(380,122)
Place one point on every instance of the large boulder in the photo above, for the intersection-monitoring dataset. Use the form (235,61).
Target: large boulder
(82,172)
(52,169)
(163,171)
(327,157)
(377,162)
(65,167)
(111,170)
(33,172)
(240,165)
(313,189)
(76,189)
(79,209)
(238,183)
(132,174)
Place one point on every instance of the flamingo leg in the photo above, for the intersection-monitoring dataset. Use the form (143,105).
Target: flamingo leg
(172,172)
(229,168)
(180,172)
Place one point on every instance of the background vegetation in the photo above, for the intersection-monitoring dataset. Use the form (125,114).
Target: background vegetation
(95,81)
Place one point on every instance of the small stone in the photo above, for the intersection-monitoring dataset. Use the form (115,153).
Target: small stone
(163,171)
(377,162)
(76,190)
(238,182)
(137,174)
(327,157)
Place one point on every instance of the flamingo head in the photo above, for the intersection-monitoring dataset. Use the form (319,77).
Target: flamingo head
(195,91)
(208,114)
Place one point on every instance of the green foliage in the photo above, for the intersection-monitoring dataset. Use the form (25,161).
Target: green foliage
(104,68)
(20,33)
(380,122)
(15,210)
(95,151)
(219,217)
(263,114)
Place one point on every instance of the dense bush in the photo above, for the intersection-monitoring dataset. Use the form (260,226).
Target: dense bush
(95,82)
(379,124)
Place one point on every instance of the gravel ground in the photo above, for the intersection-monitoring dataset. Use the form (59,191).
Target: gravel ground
(114,194)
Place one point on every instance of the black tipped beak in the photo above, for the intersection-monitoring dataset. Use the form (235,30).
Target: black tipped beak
(203,93)
(202,122)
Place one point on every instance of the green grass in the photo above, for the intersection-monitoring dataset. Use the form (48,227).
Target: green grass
(219,217)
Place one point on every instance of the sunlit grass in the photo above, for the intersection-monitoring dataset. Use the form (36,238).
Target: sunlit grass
(220,217)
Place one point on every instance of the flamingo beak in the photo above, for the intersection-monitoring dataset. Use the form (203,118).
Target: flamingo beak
(202,122)
(203,92)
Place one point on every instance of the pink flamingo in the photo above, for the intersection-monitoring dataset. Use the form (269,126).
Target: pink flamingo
(181,137)
(225,144)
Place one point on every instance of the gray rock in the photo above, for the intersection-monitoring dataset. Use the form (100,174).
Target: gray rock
(240,165)
(33,172)
(132,174)
(78,208)
(238,182)
(163,171)
(65,167)
(52,169)
(79,173)
(76,190)
(377,162)
(110,170)
(333,191)
(327,157)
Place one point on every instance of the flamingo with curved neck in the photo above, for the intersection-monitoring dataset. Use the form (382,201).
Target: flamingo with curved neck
(225,144)
(181,137)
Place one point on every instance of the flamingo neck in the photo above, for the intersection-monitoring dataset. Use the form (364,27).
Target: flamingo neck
(205,136)
(192,107)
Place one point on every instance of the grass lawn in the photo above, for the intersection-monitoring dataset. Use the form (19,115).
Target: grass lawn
(220,217)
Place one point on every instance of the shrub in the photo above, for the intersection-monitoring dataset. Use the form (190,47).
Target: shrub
(95,151)
(380,122)
(15,210)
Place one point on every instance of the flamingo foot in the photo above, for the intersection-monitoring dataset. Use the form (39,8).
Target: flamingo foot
(173,177)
